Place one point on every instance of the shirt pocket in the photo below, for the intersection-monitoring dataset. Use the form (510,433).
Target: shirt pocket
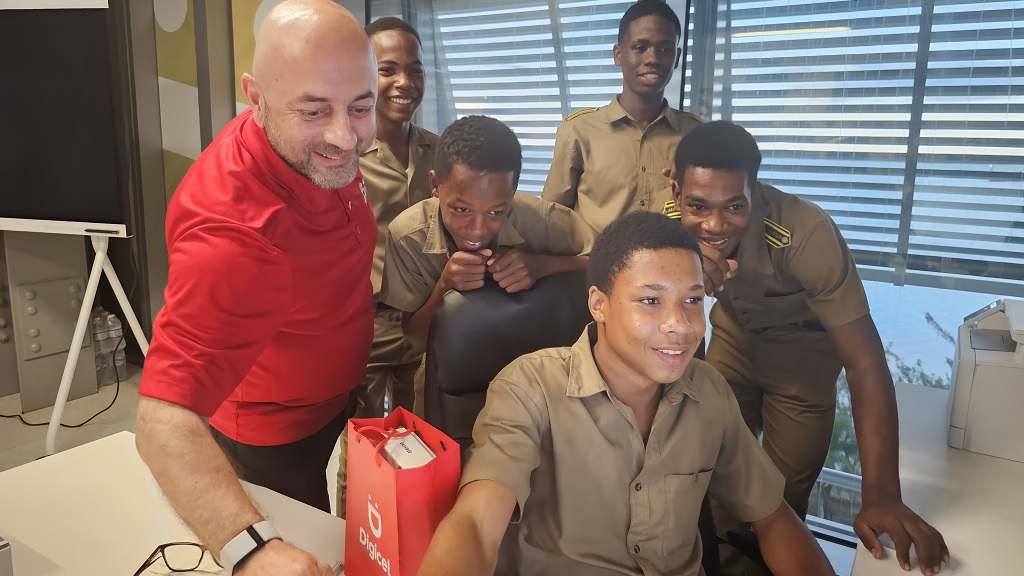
(684,494)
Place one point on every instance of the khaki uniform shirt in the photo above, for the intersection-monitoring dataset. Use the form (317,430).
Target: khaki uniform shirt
(391,188)
(794,268)
(605,165)
(607,504)
(418,249)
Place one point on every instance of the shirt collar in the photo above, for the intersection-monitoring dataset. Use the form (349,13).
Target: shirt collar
(585,379)
(417,138)
(672,117)
(615,112)
(437,243)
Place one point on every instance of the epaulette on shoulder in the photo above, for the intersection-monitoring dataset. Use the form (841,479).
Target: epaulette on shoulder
(579,112)
(776,234)
(670,210)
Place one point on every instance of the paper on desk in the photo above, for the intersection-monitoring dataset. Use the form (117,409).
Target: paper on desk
(209,567)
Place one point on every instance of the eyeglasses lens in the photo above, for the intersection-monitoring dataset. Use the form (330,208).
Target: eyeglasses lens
(183,557)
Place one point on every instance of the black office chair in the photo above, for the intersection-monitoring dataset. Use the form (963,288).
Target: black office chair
(475,334)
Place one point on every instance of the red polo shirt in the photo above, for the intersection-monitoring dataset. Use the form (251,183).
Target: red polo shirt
(268,314)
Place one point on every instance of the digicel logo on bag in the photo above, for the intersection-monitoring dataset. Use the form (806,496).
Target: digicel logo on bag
(376,528)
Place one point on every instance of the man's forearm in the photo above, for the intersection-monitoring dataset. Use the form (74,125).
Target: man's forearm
(417,327)
(457,548)
(788,548)
(877,427)
(874,406)
(193,473)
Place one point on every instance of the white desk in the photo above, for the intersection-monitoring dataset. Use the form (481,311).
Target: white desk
(976,501)
(96,510)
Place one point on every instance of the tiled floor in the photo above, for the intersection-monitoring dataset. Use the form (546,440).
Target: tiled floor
(20,444)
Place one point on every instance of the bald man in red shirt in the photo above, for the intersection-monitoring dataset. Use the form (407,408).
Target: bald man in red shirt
(269,315)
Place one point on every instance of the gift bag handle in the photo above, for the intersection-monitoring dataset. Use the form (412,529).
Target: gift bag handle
(386,436)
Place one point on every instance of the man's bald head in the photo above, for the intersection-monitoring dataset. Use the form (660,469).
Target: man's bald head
(294,28)
(314,77)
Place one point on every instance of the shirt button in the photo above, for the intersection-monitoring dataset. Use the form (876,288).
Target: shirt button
(636,548)
(349,204)
(643,168)
(637,487)
(643,203)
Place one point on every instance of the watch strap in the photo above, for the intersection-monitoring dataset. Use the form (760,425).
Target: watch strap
(245,544)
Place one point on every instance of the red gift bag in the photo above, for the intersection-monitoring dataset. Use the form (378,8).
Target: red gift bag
(392,514)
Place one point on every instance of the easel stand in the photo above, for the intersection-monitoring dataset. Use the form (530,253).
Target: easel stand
(101,265)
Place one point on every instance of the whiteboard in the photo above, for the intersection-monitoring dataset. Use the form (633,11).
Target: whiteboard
(62,227)
(50,4)
(60,168)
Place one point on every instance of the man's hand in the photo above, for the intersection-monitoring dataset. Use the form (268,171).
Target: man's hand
(515,270)
(717,269)
(465,270)
(905,528)
(278,558)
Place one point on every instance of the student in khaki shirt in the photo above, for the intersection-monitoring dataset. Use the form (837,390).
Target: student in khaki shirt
(394,169)
(475,226)
(608,160)
(629,410)
(790,314)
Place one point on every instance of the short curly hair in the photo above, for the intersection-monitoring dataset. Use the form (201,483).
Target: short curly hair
(481,143)
(719,145)
(648,8)
(391,23)
(635,232)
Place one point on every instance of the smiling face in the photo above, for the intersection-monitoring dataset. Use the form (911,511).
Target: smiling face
(474,205)
(652,322)
(313,89)
(714,205)
(647,56)
(400,75)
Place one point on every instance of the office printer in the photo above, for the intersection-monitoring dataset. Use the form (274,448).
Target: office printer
(986,412)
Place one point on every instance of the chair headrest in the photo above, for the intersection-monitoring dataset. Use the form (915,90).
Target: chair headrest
(475,334)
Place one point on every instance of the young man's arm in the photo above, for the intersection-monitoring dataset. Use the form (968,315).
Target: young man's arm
(561,185)
(467,540)
(464,271)
(201,486)
(876,423)
(787,547)
(515,270)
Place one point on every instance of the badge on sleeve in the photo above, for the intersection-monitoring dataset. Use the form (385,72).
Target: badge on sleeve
(776,235)
(670,210)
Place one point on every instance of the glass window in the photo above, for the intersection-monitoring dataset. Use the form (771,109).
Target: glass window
(528,63)
(904,121)
(902,118)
